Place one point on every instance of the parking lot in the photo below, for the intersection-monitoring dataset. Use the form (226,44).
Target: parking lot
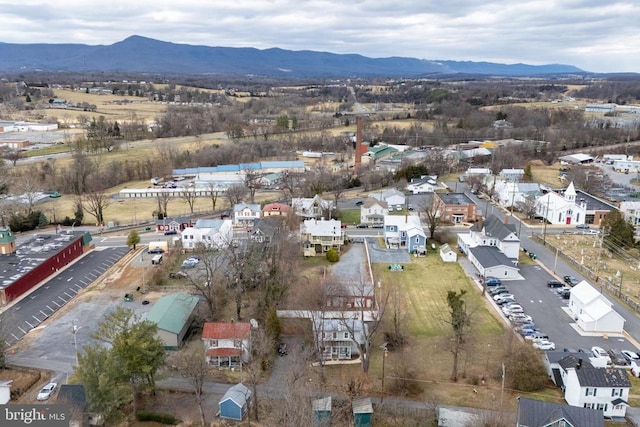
(546,307)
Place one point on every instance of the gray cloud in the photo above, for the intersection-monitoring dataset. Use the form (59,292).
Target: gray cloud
(585,33)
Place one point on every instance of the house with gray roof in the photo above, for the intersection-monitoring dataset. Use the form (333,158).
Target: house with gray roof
(318,236)
(235,403)
(424,184)
(537,413)
(173,314)
(455,208)
(211,233)
(493,248)
(515,194)
(372,212)
(585,386)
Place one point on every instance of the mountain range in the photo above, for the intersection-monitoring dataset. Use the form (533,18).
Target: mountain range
(146,55)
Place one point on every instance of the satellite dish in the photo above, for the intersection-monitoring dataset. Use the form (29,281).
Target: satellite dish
(254,323)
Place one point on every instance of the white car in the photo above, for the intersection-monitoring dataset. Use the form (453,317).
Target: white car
(46,391)
(520,317)
(544,345)
(511,309)
(500,297)
(600,352)
(630,355)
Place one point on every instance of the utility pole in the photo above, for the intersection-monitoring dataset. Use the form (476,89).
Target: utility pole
(555,262)
(384,356)
(544,230)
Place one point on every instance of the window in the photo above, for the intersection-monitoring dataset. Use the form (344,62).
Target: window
(213,343)
(588,392)
(346,335)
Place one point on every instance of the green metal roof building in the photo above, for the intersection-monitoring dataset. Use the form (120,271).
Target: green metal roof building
(173,314)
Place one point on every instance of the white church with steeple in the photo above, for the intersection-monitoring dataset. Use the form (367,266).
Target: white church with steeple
(560,208)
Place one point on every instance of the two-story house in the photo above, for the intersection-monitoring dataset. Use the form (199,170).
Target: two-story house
(538,413)
(395,199)
(405,231)
(226,344)
(265,229)
(312,208)
(455,208)
(245,214)
(211,233)
(318,236)
(515,194)
(334,339)
(493,248)
(275,209)
(603,389)
(372,212)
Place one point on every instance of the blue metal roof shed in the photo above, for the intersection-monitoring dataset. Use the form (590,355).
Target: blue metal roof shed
(234,405)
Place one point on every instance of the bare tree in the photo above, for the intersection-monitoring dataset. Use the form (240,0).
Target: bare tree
(395,333)
(262,351)
(189,197)
(460,322)
(95,202)
(252,182)
(13,156)
(214,194)
(528,206)
(235,194)
(193,367)
(210,282)
(296,409)
(430,210)
(29,188)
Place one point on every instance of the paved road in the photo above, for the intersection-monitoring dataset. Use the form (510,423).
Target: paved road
(28,313)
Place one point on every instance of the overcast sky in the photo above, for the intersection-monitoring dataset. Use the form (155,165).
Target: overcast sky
(599,36)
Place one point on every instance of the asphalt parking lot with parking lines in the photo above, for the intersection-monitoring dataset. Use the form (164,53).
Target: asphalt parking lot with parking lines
(43,302)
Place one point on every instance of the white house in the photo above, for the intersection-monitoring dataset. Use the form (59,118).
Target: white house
(372,211)
(424,184)
(516,193)
(245,214)
(314,207)
(592,311)
(393,197)
(631,211)
(335,340)
(318,236)
(561,209)
(603,389)
(493,248)
(226,344)
(212,233)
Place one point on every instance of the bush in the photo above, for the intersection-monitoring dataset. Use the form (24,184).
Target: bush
(157,417)
(333,255)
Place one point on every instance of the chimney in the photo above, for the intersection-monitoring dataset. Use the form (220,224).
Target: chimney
(506,219)
(358,141)
(480,223)
(579,364)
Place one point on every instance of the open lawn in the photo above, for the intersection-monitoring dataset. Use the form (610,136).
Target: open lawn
(350,216)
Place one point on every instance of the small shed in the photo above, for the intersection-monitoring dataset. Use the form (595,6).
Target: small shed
(321,412)
(362,412)
(235,403)
(447,254)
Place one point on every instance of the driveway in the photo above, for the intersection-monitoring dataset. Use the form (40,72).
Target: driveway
(384,255)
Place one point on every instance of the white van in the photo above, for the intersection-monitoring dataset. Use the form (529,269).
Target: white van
(157,259)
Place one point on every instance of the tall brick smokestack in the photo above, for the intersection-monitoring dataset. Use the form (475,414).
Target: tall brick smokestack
(358,142)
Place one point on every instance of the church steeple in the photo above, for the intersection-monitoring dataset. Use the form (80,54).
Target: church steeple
(570,193)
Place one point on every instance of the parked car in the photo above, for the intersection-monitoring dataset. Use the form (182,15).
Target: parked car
(635,370)
(498,290)
(582,226)
(617,358)
(520,318)
(503,296)
(570,280)
(170,233)
(565,293)
(506,301)
(155,251)
(599,352)
(492,281)
(46,391)
(511,309)
(570,350)
(538,336)
(544,345)
(630,355)
(178,275)
(362,226)
(282,349)
(189,263)
(555,284)
(525,331)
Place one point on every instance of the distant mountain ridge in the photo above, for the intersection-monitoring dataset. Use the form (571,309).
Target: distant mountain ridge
(146,55)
